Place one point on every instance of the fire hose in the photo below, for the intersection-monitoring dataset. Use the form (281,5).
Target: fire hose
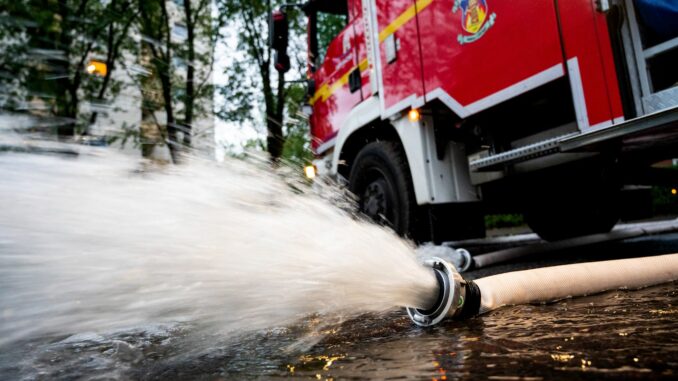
(459,298)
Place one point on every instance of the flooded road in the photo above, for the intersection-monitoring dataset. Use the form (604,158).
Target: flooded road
(618,335)
(614,335)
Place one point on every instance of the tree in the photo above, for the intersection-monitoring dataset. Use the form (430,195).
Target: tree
(165,48)
(251,77)
(14,41)
(63,52)
(199,24)
(121,17)
(155,26)
(297,147)
(51,43)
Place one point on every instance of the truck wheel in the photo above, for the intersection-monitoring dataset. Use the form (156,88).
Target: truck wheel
(381,180)
(570,215)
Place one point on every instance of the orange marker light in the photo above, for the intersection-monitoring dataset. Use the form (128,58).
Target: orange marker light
(309,171)
(414,115)
(674,191)
(97,68)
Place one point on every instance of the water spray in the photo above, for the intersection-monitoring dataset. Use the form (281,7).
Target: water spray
(459,298)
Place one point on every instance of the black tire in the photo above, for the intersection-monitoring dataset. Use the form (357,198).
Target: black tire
(572,212)
(380,178)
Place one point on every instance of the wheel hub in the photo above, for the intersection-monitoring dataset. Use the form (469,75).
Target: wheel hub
(374,200)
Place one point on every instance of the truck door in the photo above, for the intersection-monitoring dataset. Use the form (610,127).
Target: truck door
(590,64)
(398,55)
(332,59)
(361,46)
(478,53)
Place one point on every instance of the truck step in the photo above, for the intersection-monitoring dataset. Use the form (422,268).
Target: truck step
(524,153)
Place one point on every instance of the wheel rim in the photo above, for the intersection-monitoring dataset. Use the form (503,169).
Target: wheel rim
(375,200)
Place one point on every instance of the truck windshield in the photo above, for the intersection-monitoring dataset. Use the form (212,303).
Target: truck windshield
(329,26)
(326,20)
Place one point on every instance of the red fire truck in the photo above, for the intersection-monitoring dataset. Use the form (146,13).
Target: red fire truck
(436,112)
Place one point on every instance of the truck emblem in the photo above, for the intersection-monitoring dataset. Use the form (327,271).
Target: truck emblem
(474,19)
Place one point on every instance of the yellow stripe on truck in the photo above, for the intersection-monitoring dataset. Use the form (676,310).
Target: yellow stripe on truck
(403,18)
(325,91)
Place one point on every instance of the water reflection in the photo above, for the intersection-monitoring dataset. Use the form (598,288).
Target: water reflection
(622,335)
(616,334)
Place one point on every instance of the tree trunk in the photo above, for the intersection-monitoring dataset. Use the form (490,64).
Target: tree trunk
(62,96)
(162,60)
(276,138)
(190,72)
(169,114)
(113,51)
(67,92)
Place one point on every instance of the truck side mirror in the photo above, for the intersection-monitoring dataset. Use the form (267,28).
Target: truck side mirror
(278,39)
(310,87)
(281,61)
(279,31)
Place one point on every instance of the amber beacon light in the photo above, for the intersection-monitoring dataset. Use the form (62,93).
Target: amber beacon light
(414,115)
(310,171)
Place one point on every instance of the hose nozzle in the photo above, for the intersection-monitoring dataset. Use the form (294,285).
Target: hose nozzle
(460,299)
(457,297)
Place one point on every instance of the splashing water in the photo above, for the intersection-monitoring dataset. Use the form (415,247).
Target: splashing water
(92,243)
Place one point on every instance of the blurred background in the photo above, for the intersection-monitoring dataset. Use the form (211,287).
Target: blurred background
(151,77)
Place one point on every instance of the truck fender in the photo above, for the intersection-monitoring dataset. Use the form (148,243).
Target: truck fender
(434,181)
(362,115)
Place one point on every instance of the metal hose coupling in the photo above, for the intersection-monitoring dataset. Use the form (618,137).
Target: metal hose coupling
(458,298)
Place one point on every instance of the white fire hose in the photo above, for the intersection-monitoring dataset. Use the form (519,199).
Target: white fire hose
(459,298)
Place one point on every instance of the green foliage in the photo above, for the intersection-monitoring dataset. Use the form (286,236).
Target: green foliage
(329,26)
(664,201)
(241,92)
(297,147)
(247,72)
(48,46)
(255,144)
(494,221)
(255,92)
(128,133)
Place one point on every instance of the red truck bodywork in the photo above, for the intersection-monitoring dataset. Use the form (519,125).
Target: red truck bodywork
(470,55)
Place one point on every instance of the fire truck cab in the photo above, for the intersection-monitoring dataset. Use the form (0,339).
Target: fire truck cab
(436,112)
